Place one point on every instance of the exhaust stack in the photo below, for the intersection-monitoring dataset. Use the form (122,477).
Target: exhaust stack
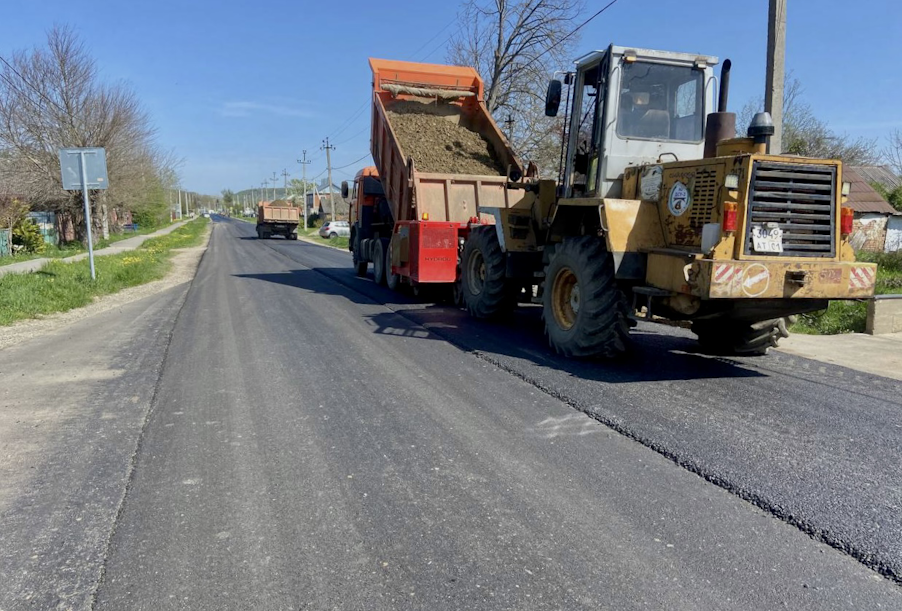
(721,125)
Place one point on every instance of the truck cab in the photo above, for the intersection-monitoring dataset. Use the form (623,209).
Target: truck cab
(632,107)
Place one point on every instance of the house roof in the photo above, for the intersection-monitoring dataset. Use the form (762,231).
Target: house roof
(880,174)
(863,197)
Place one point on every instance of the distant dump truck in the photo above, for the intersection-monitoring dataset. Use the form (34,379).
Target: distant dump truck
(662,212)
(277,218)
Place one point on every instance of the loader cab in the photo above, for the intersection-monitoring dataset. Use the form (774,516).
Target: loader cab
(633,107)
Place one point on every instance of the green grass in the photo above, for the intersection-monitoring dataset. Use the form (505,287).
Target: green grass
(188,235)
(59,286)
(851,316)
(73,248)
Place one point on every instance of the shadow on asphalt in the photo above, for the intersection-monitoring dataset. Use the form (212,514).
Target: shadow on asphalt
(654,355)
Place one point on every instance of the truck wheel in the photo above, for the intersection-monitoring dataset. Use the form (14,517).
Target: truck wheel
(584,310)
(726,337)
(392,281)
(379,261)
(482,275)
(259,234)
(359,264)
(292,236)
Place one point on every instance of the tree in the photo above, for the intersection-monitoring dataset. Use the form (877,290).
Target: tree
(806,135)
(893,196)
(51,98)
(892,154)
(516,45)
(228,197)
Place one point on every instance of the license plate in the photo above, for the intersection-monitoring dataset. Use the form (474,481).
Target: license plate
(767,238)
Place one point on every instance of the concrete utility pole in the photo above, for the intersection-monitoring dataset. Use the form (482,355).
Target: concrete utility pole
(304,162)
(274,179)
(285,176)
(179,215)
(773,88)
(263,186)
(328,148)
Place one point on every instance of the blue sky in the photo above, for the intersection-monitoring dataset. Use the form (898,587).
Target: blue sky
(239,89)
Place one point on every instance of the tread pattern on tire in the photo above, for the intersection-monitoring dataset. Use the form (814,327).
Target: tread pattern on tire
(379,261)
(496,296)
(726,337)
(601,327)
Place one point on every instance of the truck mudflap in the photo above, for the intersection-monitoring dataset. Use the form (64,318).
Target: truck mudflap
(732,279)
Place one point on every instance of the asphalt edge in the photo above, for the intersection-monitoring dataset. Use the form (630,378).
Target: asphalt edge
(151,409)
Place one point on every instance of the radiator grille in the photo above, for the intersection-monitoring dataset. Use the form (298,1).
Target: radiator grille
(704,192)
(801,199)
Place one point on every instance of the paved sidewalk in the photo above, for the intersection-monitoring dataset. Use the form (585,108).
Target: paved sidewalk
(877,354)
(33,265)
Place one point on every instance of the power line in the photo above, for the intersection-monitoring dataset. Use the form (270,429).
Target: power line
(437,34)
(365,129)
(27,82)
(352,163)
(577,28)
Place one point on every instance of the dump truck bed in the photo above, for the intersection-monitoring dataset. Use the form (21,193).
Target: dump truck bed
(278,214)
(446,93)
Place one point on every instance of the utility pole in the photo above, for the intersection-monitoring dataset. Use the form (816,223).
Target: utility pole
(773,87)
(179,215)
(274,180)
(285,176)
(304,162)
(263,186)
(328,148)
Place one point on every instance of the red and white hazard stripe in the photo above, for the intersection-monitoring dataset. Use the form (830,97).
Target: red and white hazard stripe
(862,277)
(724,272)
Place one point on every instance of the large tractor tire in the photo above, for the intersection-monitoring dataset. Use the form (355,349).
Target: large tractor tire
(726,337)
(484,288)
(585,312)
(379,271)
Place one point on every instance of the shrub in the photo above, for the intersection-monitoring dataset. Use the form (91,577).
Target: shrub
(27,237)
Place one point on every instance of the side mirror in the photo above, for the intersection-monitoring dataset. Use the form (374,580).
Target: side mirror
(344,189)
(552,98)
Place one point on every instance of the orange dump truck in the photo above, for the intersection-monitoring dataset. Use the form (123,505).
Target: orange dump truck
(439,158)
(277,218)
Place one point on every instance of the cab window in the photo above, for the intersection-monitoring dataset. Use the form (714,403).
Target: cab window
(661,102)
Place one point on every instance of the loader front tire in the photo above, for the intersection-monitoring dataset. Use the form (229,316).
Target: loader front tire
(484,287)
(584,310)
(726,337)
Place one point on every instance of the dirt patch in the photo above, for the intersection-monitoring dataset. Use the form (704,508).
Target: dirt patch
(433,136)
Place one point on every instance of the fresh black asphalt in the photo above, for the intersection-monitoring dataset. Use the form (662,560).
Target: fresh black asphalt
(320,442)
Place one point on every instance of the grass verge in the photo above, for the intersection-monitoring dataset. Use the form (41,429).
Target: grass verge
(74,248)
(58,286)
(851,316)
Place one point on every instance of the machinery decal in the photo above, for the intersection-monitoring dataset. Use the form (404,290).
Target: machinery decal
(862,277)
(679,201)
(725,279)
(650,183)
(755,280)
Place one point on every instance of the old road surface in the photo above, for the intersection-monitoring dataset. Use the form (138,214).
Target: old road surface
(309,440)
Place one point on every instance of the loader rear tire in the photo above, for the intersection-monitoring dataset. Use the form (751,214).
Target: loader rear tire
(379,260)
(484,287)
(727,337)
(584,310)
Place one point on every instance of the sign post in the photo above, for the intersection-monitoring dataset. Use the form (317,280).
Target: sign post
(83,169)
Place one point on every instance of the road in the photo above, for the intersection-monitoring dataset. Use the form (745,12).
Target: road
(315,441)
